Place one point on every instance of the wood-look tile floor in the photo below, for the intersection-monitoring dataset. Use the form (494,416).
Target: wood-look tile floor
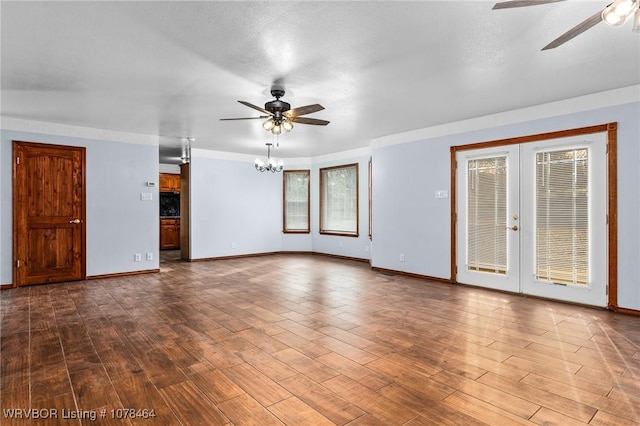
(308,340)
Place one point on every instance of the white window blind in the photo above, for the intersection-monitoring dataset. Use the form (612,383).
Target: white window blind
(487,215)
(339,200)
(562,216)
(296,201)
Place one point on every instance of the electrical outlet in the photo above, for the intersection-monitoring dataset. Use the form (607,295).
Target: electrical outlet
(146,196)
(137,257)
(149,256)
(401,257)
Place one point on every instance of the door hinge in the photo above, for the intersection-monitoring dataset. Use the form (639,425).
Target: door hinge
(18,263)
(607,219)
(607,149)
(17,160)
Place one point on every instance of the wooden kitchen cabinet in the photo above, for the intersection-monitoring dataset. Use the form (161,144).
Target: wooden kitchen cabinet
(169,234)
(169,182)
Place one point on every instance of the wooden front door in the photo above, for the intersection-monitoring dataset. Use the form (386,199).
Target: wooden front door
(48,213)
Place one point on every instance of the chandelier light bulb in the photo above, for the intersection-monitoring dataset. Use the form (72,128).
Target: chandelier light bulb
(287,125)
(277,129)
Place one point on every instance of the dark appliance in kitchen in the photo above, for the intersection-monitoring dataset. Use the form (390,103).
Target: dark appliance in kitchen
(169,205)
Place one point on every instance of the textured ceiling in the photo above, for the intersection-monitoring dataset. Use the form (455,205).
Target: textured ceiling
(174,69)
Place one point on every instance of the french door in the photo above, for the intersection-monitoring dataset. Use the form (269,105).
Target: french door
(532,218)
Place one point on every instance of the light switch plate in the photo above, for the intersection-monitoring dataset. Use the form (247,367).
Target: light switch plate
(146,196)
(443,193)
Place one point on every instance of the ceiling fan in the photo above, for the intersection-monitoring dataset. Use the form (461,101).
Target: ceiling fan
(615,14)
(279,115)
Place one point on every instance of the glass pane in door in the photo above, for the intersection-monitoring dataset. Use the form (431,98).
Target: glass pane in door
(486,215)
(562,216)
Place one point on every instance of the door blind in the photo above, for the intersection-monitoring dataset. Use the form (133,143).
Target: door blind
(562,216)
(487,215)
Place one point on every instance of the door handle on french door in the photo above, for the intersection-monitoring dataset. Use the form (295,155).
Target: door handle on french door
(513,228)
(76,221)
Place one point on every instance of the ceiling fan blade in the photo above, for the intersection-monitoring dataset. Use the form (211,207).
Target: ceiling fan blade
(303,110)
(255,107)
(522,3)
(305,120)
(575,31)
(246,118)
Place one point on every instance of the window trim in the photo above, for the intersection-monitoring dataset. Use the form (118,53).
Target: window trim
(284,202)
(321,196)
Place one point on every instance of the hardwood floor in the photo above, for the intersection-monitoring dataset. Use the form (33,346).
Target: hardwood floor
(308,340)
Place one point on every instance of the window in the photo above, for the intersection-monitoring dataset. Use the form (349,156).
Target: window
(339,200)
(296,201)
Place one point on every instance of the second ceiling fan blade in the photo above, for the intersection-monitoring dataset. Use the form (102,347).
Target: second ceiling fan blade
(522,3)
(575,31)
(305,120)
(303,110)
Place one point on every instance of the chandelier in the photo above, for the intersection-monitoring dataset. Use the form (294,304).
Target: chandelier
(270,164)
(619,11)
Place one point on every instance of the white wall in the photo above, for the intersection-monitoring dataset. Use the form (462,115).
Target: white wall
(235,209)
(118,223)
(408,219)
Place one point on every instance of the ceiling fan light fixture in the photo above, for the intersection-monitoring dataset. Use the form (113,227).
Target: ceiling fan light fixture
(277,129)
(617,12)
(268,124)
(287,125)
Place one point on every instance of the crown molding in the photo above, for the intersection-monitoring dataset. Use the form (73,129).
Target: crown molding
(32,126)
(625,95)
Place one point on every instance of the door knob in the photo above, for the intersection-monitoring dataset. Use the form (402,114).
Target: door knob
(75,221)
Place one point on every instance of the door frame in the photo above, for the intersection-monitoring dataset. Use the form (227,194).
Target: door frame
(612,197)
(83,209)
